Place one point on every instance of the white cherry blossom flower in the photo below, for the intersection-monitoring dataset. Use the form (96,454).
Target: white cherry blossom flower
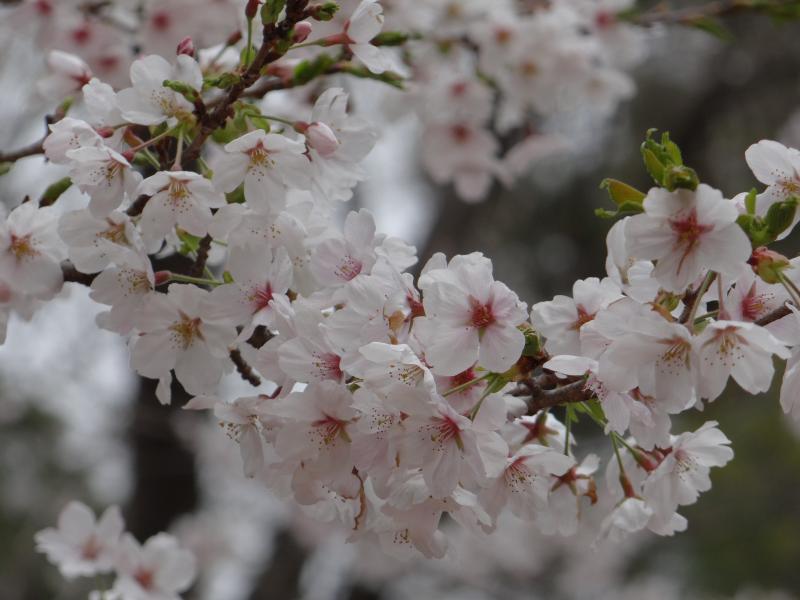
(148,102)
(738,349)
(31,251)
(778,167)
(82,545)
(174,333)
(259,275)
(69,134)
(181,198)
(561,319)
(688,232)
(267,163)
(95,242)
(104,174)
(466,308)
(684,473)
(157,570)
(449,447)
(68,74)
(125,288)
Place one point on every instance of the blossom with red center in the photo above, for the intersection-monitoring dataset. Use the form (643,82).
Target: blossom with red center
(159,569)
(687,233)
(82,545)
(469,318)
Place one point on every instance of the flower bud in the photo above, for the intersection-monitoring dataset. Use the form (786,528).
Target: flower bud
(301,32)
(768,264)
(251,10)
(186,46)
(321,138)
(162,277)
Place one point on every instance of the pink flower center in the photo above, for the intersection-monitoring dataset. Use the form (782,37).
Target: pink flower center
(22,248)
(348,268)
(584,316)
(328,366)
(502,35)
(161,21)
(461,133)
(261,297)
(462,378)
(145,578)
(458,89)
(604,19)
(43,7)
(91,549)
(81,35)
(753,305)
(445,430)
(329,429)
(687,233)
(481,314)
(185,331)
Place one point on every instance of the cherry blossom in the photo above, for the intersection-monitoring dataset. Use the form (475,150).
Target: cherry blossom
(82,545)
(686,232)
(467,309)
(179,198)
(157,570)
(267,163)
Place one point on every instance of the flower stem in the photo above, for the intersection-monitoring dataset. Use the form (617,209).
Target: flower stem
(196,280)
(701,291)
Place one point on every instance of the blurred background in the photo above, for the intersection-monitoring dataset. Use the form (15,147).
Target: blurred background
(76,423)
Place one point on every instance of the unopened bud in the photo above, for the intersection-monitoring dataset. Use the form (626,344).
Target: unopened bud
(301,32)
(251,10)
(105,132)
(768,264)
(162,277)
(323,12)
(322,139)
(186,46)
(234,38)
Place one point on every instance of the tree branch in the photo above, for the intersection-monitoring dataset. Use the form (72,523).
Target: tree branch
(244,369)
(694,15)
(31,150)
(775,315)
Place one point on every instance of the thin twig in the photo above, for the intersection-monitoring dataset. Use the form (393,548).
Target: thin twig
(244,369)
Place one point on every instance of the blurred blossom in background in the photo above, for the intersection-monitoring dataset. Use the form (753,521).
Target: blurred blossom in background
(75,422)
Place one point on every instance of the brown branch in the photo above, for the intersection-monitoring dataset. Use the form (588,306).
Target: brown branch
(199,265)
(138,205)
(776,314)
(71,274)
(694,15)
(244,369)
(538,393)
(31,150)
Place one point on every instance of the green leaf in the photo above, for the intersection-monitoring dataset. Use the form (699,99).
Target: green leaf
(714,27)
(227,277)
(324,12)
(5,167)
(189,243)
(621,193)
(750,202)
(184,89)
(54,191)
(308,70)
(680,177)
(653,165)
(271,11)
(626,208)
(390,38)
(780,216)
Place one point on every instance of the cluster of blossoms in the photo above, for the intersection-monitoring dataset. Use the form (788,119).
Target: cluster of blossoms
(84,546)
(481,76)
(380,401)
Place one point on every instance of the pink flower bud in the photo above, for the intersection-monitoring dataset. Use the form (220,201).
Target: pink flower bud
(768,264)
(162,277)
(301,32)
(321,138)
(251,10)
(186,46)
